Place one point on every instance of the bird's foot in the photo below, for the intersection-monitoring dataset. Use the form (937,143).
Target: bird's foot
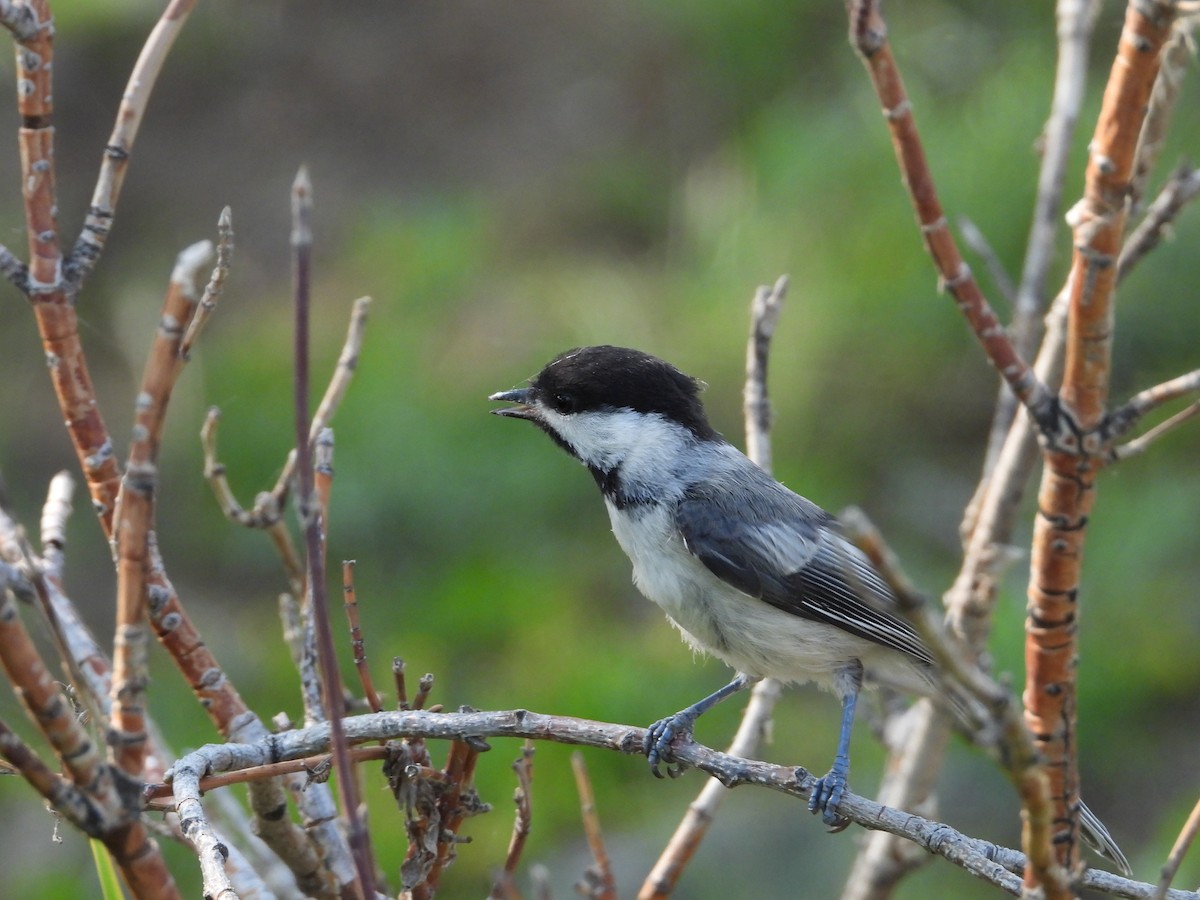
(660,738)
(827,794)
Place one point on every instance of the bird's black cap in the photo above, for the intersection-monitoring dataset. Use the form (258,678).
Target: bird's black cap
(607,377)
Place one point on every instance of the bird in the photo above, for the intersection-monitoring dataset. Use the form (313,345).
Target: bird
(747,570)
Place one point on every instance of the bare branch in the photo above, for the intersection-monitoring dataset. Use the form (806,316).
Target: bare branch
(982,859)
(357,643)
(521,824)
(19,18)
(978,242)
(14,270)
(216,283)
(1174,61)
(1181,188)
(312,517)
(868,35)
(599,882)
(1182,844)
(115,162)
(1141,444)
(756,406)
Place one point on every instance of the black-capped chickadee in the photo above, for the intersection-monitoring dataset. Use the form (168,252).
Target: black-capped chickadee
(747,570)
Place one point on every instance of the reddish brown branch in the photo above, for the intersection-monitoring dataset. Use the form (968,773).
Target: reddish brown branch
(1074,457)
(357,643)
(868,35)
(135,511)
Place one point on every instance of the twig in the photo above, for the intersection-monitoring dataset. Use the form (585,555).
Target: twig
(158,791)
(357,643)
(1075,20)
(216,283)
(135,510)
(756,405)
(974,238)
(1180,848)
(13,269)
(1141,444)
(398,681)
(522,823)
(868,35)
(98,223)
(1181,188)
(267,512)
(599,882)
(310,514)
(1175,59)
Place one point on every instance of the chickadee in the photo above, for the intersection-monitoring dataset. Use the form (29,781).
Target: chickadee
(747,570)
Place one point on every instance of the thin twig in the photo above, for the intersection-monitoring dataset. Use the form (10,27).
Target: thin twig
(756,405)
(522,822)
(1175,59)
(357,643)
(868,35)
(98,223)
(311,519)
(216,283)
(1180,848)
(1142,443)
(974,238)
(599,882)
(14,270)
(1181,188)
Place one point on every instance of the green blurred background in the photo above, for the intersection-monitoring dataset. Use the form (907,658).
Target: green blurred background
(511,180)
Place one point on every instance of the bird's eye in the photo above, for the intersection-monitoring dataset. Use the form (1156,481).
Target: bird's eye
(564,403)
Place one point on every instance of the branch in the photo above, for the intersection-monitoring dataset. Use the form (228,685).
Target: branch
(1181,188)
(1075,20)
(1073,456)
(599,881)
(357,643)
(868,35)
(135,510)
(1174,61)
(215,286)
(312,520)
(522,824)
(985,860)
(1182,843)
(98,222)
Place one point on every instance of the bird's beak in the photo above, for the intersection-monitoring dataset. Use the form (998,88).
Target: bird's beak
(521,396)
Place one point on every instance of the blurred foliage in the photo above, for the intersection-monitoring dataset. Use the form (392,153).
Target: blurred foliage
(510,182)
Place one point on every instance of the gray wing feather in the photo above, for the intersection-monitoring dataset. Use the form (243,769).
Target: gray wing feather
(776,546)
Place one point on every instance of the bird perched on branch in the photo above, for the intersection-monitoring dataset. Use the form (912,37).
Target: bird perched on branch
(747,570)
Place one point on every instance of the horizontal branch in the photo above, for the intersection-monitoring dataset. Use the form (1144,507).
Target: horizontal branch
(997,865)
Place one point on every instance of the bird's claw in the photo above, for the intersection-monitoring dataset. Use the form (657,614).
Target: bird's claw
(825,797)
(659,740)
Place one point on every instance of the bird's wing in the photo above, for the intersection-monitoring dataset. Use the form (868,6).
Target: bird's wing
(774,545)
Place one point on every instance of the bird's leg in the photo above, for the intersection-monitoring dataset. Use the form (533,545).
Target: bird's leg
(664,732)
(827,792)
